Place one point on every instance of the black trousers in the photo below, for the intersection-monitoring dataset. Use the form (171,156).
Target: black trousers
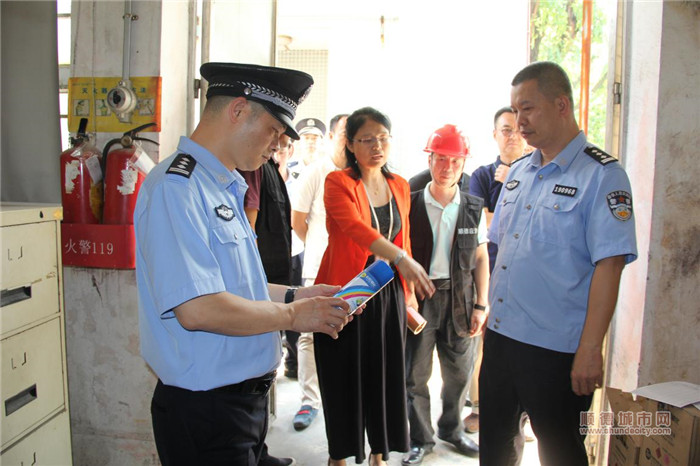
(456,355)
(224,426)
(362,379)
(517,377)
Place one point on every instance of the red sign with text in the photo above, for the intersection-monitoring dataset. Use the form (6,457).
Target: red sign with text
(98,246)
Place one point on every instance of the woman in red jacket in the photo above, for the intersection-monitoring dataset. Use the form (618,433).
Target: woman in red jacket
(361,374)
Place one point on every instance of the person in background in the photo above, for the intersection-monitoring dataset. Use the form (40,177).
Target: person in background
(419,181)
(268,210)
(290,337)
(209,321)
(309,222)
(282,156)
(448,238)
(564,226)
(361,374)
(486,183)
(312,132)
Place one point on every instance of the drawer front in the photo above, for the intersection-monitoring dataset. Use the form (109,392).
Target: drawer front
(50,444)
(32,378)
(28,254)
(27,304)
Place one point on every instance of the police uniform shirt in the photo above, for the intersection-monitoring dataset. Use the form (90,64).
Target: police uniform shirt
(192,239)
(552,224)
(443,221)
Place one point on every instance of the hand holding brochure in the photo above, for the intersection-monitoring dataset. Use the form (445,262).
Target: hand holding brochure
(365,285)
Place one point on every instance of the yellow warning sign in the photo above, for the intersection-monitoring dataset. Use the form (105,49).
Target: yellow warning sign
(87,98)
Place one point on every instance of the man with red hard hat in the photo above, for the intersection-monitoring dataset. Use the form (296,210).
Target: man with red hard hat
(448,238)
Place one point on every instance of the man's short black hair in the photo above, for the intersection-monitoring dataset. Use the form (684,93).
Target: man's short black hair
(552,80)
(500,112)
(334,121)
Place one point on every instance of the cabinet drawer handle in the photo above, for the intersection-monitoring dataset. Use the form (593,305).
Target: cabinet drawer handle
(15,295)
(24,397)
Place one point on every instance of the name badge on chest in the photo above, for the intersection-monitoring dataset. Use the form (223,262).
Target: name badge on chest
(564,190)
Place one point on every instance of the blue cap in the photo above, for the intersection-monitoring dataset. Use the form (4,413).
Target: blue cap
(381,272)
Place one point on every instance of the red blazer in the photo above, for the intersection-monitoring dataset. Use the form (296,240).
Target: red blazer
(349,225)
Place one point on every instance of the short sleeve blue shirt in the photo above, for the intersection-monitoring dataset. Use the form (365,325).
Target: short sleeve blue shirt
(193,239)
(552,224)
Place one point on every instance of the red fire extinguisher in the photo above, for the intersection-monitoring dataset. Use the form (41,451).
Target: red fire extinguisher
(125,170)
(81,179)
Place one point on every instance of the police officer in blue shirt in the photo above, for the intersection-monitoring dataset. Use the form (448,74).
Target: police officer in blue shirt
(209,321)
(564,225)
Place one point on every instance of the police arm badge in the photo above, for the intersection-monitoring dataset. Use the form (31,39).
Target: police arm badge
(620,204)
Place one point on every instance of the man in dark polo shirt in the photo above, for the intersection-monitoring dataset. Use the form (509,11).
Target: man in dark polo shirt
(486,182)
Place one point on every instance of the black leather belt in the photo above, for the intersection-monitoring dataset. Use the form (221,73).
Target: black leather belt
(441,283)
(257,386)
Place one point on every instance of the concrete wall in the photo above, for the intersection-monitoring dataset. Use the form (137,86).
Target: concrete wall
(655,335)
(639,114)
(671,347)
(110,386)
(177,73)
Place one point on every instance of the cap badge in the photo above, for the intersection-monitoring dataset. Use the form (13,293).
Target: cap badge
(310,122)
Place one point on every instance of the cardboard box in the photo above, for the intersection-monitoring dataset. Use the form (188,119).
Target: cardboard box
(682,447)
(661,433)
(623,449)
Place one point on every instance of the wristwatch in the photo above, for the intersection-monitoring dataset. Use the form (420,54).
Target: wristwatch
(399,257)
(290,294)
(479,307)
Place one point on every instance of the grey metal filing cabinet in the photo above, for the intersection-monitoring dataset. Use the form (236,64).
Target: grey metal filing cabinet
(35,422)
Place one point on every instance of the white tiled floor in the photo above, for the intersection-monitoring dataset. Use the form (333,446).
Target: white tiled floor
(309,447)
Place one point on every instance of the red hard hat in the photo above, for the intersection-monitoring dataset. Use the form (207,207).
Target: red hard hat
(449,141)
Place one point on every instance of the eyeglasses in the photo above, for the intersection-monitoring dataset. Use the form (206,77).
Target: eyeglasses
(384,139)
(508,132)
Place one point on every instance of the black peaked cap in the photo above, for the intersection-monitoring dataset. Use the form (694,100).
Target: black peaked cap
(279,90)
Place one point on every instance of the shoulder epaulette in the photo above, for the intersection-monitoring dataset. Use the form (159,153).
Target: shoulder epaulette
(183,165)
(599,156)
(519,159)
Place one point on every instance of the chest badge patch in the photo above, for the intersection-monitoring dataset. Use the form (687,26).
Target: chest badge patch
(225,212)
(183,165)
(564,190)
(512,184)
(620,203)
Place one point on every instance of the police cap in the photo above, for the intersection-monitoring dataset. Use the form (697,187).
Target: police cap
(311,125)
(279,90)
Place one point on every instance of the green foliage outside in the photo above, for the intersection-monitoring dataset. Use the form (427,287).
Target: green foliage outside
(556,33)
